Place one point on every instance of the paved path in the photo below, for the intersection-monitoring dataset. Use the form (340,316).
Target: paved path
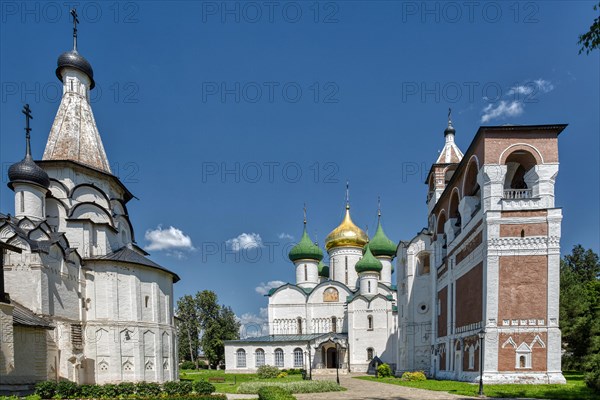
(359,389)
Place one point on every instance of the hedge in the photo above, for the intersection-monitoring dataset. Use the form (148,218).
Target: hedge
(274,393)
(173,390)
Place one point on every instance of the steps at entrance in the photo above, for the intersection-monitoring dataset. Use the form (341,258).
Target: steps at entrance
(328,371)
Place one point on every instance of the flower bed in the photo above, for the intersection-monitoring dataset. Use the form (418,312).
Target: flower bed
(291,387)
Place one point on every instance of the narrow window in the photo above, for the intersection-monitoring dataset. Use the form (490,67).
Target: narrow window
(305,272)
(370,322)
(146,300)
(522,362)
(299,326)
(346,271)
(369,354)
(522,233)
(369,286)
(22,198)
(333,324)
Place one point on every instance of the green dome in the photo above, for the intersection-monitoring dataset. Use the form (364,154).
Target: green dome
(380,244)
(306,249)
(368,263)
(323,270)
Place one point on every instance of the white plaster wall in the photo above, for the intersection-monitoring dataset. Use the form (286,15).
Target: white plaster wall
(30,201)
(337,265)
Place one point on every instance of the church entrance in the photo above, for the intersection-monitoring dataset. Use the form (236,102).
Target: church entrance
(332,357)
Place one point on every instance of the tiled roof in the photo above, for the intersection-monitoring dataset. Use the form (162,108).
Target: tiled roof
(25,317)
(127,255)
(285,338)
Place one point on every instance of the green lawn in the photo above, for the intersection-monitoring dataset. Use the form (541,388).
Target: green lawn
(232,381)
(574,389)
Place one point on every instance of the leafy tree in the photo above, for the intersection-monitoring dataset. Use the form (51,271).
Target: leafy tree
(188,328)
(591,39)
(218,323)
(580,310)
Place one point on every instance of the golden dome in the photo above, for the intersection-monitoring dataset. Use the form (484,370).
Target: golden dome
(346,234)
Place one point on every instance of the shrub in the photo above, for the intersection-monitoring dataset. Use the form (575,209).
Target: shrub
(414,376)
(267,372)
(109,391)
(282,374)
(293,387)
(203,387)
(177,388)
(90,391)
(33,397)
(384,370)
(126,389)
(274,393)
(592,380)
(46,390)
(67,390)
(188,365)
(147,389)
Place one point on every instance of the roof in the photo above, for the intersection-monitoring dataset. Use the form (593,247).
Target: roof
(25,317)
(285,338)
(127,255)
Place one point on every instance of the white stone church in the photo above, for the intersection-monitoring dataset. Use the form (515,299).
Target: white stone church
(337,317)
(79,299)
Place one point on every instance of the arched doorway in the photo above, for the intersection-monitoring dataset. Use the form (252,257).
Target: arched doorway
(332,357)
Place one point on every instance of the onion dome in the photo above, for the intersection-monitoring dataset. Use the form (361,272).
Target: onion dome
(347,234)
(449,129)
(26,170)
(368,263)
(323,270)
(72,59)
(306,249)
(380,245)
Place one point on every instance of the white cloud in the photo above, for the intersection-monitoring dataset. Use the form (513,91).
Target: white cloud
(252,325)
(521,89)
(543,85)
(168,239)
(501,109)
(264,288)
(245,241)
(527,88)
(285,236)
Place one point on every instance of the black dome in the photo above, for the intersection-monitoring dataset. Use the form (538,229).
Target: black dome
(449,129)
(28,171)
(75,60)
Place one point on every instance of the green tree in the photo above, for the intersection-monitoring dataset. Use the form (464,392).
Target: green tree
(217,323)
(580,310)
(188,328)
(591,39)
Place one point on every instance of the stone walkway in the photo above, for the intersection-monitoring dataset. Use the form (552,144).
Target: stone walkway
(359,389)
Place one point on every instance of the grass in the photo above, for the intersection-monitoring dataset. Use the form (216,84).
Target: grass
(574,389)
(232,380)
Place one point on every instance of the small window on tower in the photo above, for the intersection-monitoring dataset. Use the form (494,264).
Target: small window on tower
(305,272)
(146,300)
(22,198)
(522,233)
(370,322)
(333,324)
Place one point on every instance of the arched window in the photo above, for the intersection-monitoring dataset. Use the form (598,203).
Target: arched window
(423,264)
(298,358)
(518,164)
(471,351)
(279,361)
(523,356)
(259,358)
(454,214)
(299,324)
(369,286)
(333,324)
(305,272)
(240,357)
(369,354)
(370,322)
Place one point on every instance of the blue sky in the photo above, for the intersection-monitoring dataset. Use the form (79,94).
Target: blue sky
(224,118)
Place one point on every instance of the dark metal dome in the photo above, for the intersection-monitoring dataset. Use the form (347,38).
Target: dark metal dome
(449,129)
(75,60)
(28,171)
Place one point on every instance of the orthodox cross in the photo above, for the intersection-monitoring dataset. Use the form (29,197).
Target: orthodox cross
(378,208)
(304,213)
(28,117)
(347,194)
(449,115)
(75,22)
